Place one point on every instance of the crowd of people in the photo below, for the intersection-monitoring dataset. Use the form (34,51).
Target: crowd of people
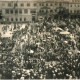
(41,50)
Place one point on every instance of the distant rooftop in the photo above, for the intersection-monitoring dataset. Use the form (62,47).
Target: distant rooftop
(35,0)
(42,0)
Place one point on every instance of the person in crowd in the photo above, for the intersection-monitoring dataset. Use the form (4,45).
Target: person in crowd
(47,50)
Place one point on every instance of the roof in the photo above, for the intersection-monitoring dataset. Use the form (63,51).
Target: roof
(26,0)
(39,0)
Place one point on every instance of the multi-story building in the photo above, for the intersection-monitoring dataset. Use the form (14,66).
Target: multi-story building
(74,7)
(19,11)
(30,10)
(25,10)
(61,4)
(45,7)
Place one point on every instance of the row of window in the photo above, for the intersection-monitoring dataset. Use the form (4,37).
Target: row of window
(42,11)
(28,4)
(16,19)
(16,11)
(75,11)
(75,5)
(47,4)
(34,4)
(7,11)
(75,0)
(22,4)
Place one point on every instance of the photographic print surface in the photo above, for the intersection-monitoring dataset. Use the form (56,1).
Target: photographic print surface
(39,39)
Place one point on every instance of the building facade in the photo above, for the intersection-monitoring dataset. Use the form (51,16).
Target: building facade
(74,8)
(30,10)
(24,11)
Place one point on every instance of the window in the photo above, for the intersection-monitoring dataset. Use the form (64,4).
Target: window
(11,19)
(51,10)
(33,11)
(46,11)
(77,11)
(0,15)
(74,11)
(60,4)
(15,4)
(3,4)
(20,19)
(55,3)
(42,4)
(42,11)
(7,11)
(7,19)
(35,4)
(25,11)
(20,11)
(71,11)
(55,10)
(28,4)
(9,4)
(51,4)
(24,19)
(11,11)
(22,5)
(16,19)
(46,4)
(78,5)
(16,11)
(71,5)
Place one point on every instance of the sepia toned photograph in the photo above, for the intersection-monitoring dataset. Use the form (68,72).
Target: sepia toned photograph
(39,39)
